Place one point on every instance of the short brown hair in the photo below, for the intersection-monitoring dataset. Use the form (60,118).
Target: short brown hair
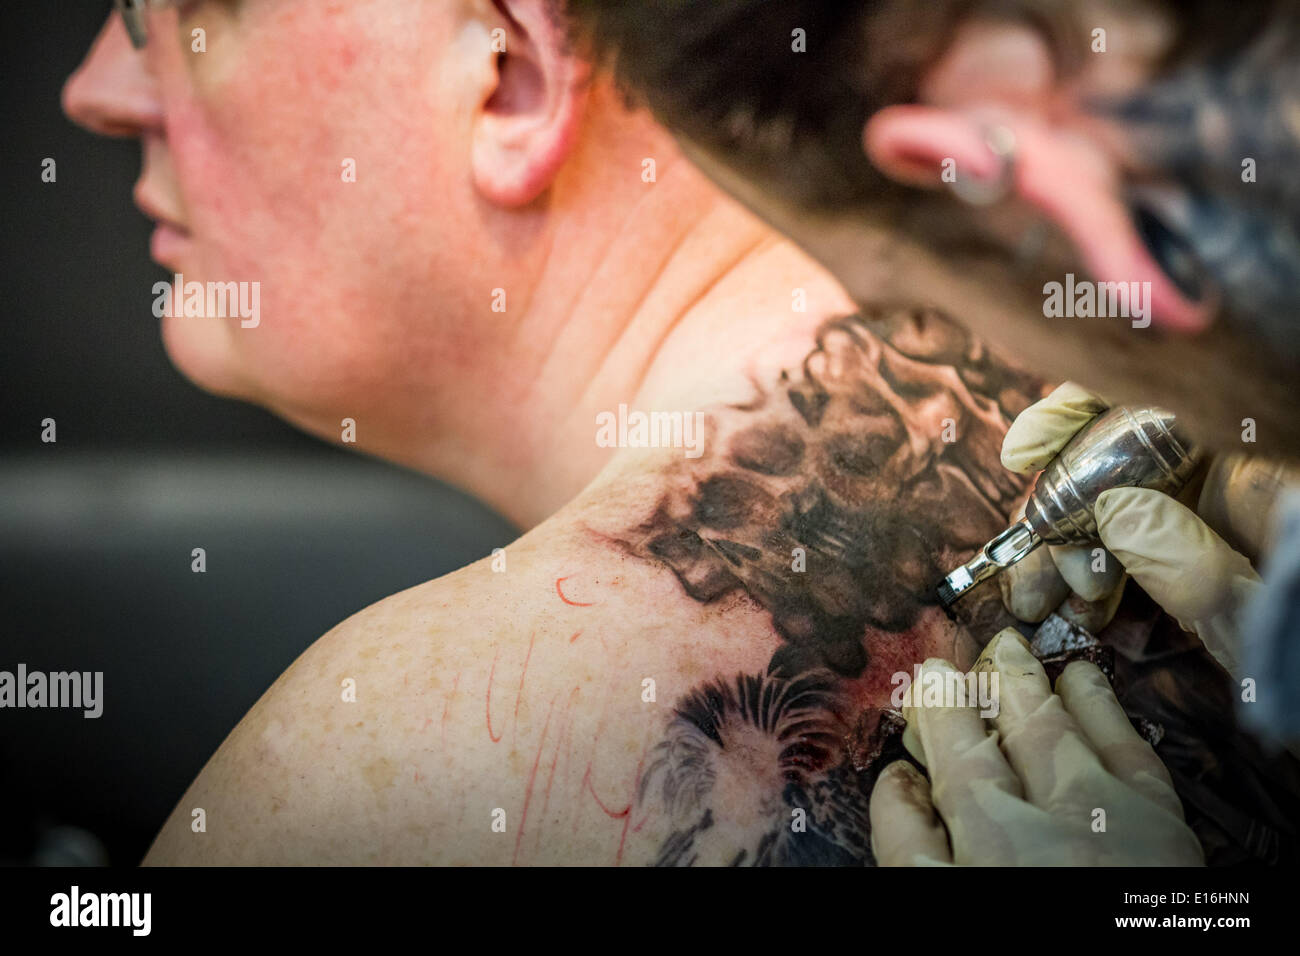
(726,76)
(724,73)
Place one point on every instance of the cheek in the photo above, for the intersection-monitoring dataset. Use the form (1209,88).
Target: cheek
(265,155)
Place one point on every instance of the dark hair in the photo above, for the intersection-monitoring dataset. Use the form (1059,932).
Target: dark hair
(725,75)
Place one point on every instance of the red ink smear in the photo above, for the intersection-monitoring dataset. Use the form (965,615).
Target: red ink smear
(586,782)
(495,738)
(532,777)
(564,735)
(625,814)
(428,722)
(446,705)
(622,841)
(550,779)
(524,673)
(563,598)
(576,635)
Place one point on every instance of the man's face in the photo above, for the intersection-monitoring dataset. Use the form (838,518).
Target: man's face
(249,148)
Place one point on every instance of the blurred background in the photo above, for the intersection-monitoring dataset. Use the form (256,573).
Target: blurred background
(97,529)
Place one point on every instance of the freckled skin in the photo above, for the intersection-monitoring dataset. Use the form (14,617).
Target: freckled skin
(332,804)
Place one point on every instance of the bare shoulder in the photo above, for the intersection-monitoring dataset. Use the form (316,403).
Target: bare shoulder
(472,719)
(677,668)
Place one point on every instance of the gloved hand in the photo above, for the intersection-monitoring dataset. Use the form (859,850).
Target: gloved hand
(1057,779)
(1186,568)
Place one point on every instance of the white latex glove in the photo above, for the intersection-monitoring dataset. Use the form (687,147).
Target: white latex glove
(1177,559)
(1055,779)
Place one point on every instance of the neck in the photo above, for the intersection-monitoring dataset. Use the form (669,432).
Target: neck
(671,313)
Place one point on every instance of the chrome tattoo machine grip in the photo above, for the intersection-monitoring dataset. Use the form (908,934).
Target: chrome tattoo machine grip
(1121,448)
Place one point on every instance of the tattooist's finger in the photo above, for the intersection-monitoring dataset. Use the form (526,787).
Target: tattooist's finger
(1041,741)
(1092,616)
(1033,588)
(1090,570)
(1092,703)
(1043,429)
(905,829)
(955,740)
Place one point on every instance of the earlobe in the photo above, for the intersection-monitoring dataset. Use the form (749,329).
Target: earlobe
(1080,190)
(530,120)
(1052,171)
(928,146)
(1000,76)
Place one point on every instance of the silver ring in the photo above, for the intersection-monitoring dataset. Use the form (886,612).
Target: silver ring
(1001,142)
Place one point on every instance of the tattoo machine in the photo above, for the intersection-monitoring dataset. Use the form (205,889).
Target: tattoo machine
(1123,447)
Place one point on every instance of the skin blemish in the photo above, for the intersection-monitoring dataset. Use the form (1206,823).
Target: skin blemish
(380,774)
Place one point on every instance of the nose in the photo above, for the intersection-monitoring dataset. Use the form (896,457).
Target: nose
(112,92)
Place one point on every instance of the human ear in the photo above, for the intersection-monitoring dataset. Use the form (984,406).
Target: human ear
(529,119)
(999,77)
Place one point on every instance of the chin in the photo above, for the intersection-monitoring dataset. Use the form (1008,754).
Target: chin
(200,350)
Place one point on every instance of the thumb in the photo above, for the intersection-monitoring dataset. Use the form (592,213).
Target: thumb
(1188,570)
(905,827)
(1043,429)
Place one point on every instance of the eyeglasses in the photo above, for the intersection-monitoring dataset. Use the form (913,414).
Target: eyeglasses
(135,14)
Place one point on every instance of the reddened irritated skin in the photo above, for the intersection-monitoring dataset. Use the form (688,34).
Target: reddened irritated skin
(424,296)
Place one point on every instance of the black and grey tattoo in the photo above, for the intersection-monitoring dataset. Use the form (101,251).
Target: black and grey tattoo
(835,500)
